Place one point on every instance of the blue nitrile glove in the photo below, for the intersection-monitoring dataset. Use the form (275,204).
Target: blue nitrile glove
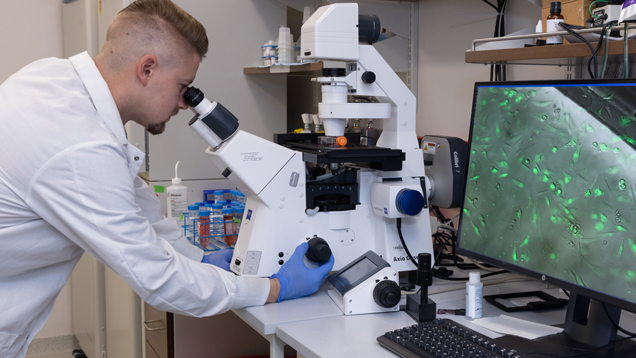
(296,279)
(219,258)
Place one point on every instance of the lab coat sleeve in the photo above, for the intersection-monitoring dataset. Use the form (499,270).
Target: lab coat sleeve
(165,228)
(87,193)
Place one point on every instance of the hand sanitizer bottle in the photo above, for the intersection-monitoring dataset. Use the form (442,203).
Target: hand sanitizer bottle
(177,196)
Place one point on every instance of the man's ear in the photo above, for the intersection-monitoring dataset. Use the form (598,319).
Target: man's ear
(146,68)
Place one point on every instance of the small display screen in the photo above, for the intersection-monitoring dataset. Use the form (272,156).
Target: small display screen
(356,272)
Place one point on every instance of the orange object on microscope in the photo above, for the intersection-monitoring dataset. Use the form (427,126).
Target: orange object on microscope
(341,141)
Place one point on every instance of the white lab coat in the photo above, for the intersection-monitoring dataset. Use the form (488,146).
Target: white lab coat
(68,184)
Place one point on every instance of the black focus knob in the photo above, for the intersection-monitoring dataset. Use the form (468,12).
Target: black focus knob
(318,251)
(387,294)
(368,77)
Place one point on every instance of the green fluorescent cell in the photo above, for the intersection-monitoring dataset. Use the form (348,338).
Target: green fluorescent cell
(552,256)
(570,201)
(554,219)
(475,177)
(546,179)
(599,226)
(604,147)
(467,212)
(484,102)
(504,164)
(476,229)
(603,218)
(567,178)
(633,246)
(620,228)
(590,128)
(503,103)
(519,98)
(525,242)
(535,171)
(575,156)
(558,192)
(594,216)
(598,192)
(547,201)
(588,192)
(514,254)
(625,121)
(503,175)
(554,149)
(494,170)
(518,183)
(498,131)
(552,186)
(617,150)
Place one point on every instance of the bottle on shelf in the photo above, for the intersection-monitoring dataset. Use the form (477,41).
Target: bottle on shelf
(552,23)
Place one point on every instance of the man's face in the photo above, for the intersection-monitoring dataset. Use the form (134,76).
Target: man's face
(166,91)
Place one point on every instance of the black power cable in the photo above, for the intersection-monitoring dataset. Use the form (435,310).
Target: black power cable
(399,229)
(498,72)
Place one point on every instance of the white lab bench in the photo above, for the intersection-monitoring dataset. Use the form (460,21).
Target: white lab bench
(315,327)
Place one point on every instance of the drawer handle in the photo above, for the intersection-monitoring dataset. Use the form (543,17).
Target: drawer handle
(155,328)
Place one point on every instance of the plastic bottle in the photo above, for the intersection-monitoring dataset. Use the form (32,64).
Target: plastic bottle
(204,228)
(218,196)
(474,295)
(238,218)
(217,222)
(228,224)
(552,23)
(241,197)
(177,196)
(193,217)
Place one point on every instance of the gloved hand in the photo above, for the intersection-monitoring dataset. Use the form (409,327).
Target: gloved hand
(219,258)
(296,279)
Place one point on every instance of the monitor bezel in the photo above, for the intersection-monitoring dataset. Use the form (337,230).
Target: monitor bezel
(580,290)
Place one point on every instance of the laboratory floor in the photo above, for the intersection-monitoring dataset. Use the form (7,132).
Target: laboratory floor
(53,347)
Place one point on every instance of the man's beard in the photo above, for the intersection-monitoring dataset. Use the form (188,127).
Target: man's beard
(157,128)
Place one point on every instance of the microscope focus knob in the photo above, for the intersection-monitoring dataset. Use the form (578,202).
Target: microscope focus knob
(368,77)
(409,202)
(387,293)
(319,250)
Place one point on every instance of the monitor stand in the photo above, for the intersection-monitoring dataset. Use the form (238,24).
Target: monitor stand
(586,328)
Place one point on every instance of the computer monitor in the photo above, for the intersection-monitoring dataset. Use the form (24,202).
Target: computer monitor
(549,192)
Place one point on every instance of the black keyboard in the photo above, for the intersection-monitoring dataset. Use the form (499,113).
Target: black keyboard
(443,338)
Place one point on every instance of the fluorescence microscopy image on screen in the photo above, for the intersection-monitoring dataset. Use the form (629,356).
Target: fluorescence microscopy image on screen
(551,182)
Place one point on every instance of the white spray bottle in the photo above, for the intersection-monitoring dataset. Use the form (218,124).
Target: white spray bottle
(177,196)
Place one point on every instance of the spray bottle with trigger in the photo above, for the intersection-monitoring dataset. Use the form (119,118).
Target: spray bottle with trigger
(177,196)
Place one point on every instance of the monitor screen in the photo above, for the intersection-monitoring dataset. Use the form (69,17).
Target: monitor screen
(550,184)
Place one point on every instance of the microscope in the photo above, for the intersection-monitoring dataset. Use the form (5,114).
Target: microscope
(345,200)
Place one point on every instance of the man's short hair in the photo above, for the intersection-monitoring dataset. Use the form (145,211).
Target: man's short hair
(154,12)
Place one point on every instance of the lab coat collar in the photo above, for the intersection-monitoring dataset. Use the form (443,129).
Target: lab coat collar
(105,105)
(100,94)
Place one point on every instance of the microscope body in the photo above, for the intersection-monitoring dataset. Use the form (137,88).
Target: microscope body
(284,206)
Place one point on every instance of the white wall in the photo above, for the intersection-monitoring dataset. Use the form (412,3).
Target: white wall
(31,30)
(446,82)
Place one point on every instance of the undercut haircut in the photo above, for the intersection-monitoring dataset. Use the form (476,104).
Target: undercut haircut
(155,14)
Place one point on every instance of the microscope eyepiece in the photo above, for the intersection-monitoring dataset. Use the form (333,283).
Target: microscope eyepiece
(193,96)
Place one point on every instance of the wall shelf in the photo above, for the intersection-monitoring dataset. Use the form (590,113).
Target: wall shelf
(307,69)
(555,55)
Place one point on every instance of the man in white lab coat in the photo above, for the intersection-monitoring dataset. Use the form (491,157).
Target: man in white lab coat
(68,180)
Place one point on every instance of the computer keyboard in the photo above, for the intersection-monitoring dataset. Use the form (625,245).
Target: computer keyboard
(443,338)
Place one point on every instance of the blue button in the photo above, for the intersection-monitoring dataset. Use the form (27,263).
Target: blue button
(409,202)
